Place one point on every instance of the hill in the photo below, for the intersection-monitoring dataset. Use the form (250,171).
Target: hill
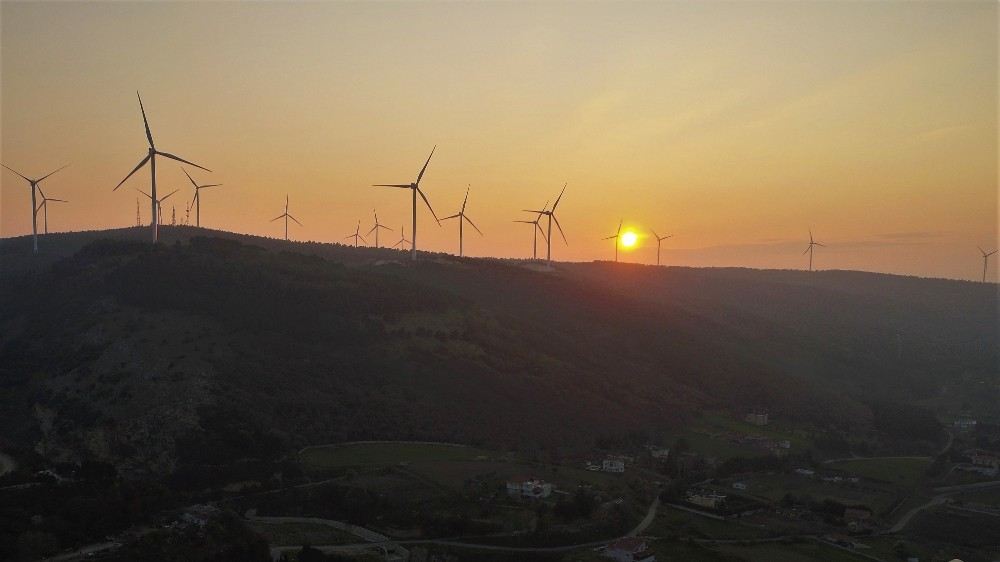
(215,348)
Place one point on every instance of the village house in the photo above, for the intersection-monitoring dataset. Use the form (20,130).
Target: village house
(739,486)
(709,499)
(986,459)
(658,453)
(964,424)
(629,549)
(758,416)
(528,488)
(613,465)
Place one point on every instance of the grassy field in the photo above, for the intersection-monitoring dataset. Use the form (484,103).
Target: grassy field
(797,552)
(294,534)
(904,472)
(381,454)
(773,487)
(674,522)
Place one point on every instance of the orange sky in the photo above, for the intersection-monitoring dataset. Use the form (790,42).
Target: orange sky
(735,126)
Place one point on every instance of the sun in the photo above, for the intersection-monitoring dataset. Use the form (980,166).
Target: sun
(629,239)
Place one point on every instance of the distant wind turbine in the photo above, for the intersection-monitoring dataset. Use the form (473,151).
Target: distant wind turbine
(44,207)
(376,228)
(986,257)
(151,158)
(357,235)
(157,203)
(196,200)
(462,219)
(551,213)
(34,203)
(659,239)
(402,238)
(809,249)
(537,228)
(615,237)
(415,188)
(286,216)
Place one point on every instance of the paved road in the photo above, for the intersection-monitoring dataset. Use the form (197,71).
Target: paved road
(647,520)
(939,499)
(916,458)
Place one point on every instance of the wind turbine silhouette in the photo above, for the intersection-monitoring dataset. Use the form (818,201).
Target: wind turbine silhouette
(462,218)
(659,239)
(157,203)
(151,158)
(986,257)
(44,206)
(376,228)
(615,238)
(196,201)
(415,188)
(34,203)
(286,216)
(551,213)
(809,249)
(357,235)
(535,231)
(402,238)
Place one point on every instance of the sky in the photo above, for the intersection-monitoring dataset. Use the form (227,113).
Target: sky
(734,126)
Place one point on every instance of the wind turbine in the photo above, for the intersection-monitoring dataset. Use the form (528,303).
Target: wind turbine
(286,216)
(462,218)
(986,257)
(659,239)
(196,201)
(151,158)
(415,188)
(535,231)
(615,238)
(402,238)
(376,228)
(44,207)
(157,203)
(551,213)
(357,235)
(809,250)
(34,203)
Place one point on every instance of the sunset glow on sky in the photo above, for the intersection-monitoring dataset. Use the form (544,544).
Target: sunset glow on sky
(734,126)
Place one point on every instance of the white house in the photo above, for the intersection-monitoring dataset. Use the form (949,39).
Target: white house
(613,465)
(707,499)
(629,549)
(758,417)
(530,488)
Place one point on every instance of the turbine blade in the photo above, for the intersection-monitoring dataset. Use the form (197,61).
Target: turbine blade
(134,170)
(554,205)
(610,237)
(190,178)
(473,224)
(179,159)
(362,238)
(295,219)
(422,170)
(655,234)
(620,223)
(991,253)
(807,250)
(16,172)
(542,230)
(534,211)
(406,186)
(466,200)
(277,217)
(818,244)
(50,173)
(149,135)
(167,195)
(451,217)
(424,197)
(527,222)
(148,196)
(554,219)
(195,198)
(58,200)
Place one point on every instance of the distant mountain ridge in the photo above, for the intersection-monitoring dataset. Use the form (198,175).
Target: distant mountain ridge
(213,348)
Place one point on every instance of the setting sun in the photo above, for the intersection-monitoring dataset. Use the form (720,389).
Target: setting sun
(629,239)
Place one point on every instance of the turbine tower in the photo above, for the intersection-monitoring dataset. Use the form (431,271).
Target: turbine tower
(376,228)
(357,235)
(986,257)
(151,158)
(286,216)
(157,203)
(402,238)
(196,201)
(44,207)
(34,203)
(809,249)
(462,218)
(615,238)
(415,189)
(535,231)
(551,213)
(659,239)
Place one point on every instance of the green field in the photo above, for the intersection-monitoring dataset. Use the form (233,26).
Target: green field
(773,487)
(904,472)
(674,522)
(796,552)
(381,454)
(294,534)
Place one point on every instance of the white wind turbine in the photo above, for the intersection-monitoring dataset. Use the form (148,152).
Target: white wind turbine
(376,228)
(415,189)
(462,218)
(659,239)
(151,158)
(34,203)
(286,216)
(157,203)
(551,213)
(44,207)
(986,257)
(809,249)
(357,235)
(537,228)
(615,237)
(196,200)
(402,238)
